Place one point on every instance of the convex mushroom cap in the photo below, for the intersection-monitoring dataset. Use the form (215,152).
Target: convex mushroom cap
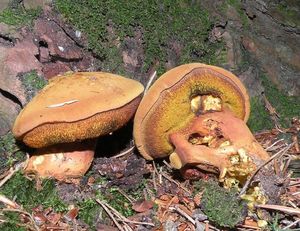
(78,106)
(180,95)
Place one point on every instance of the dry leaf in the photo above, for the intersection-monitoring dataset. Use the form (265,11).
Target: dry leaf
(142,206)
(72,214)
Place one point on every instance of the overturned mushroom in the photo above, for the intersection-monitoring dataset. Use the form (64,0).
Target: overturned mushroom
(196,115)
(73,108)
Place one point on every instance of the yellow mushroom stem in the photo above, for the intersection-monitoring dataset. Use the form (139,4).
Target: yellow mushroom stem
(224,145)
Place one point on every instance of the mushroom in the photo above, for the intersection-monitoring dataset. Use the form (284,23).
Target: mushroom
(73,108)
(62,161)
(196,114)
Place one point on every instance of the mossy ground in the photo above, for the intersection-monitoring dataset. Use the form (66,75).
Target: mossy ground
(24,192)
(32,83)
(90,210)
(286,107)
(221,206)
(259,117)
(17,15)
(237,5)
(161,23)
(10,151)
(289,14)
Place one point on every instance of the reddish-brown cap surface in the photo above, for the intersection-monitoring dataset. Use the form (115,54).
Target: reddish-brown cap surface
(78,106)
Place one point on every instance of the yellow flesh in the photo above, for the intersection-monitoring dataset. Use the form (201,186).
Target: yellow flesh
(176,108)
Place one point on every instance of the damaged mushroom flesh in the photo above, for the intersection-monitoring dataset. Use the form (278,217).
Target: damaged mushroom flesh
(72,108)
(218,142)
(196,114)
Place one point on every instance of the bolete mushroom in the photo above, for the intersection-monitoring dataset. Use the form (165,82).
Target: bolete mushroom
(196,115)
(72,108)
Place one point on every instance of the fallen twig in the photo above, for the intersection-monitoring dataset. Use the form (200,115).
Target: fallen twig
(292,224)
(293,205)
(124,219)
(175,182)
(184,214)
(286,165)
(124,153)
(129,198)
(25,213)
(8,202)
(249,227)
(281,208)
(110,214)
(167,164)
(12,171)
(295,182)
(167,206)
(137,222)
(154,177)
(157,173)
(272,145)
(276,155)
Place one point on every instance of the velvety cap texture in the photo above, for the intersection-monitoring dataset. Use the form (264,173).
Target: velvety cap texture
(78,106)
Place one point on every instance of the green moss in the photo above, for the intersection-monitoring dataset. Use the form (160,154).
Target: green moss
(287,107)
(10,152)
(138,192)
(161,22)
(25,193)
(289,15)
(237,5)
(259,117)
(119,202)
(32,83)
(12,222)
(221,206)
(89,211)
(19,16)
(274,224)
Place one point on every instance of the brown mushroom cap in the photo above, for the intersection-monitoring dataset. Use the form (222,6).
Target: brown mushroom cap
(166,107)
(78,106)
(51,162)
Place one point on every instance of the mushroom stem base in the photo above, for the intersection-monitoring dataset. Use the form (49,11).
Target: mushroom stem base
(218,142)
(63,161)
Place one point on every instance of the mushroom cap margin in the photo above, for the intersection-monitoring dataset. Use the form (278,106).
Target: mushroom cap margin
(82,98)
(148,110)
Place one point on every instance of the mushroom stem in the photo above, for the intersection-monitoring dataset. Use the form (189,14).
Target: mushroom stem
(62,161)
(212,160)
(217,142)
